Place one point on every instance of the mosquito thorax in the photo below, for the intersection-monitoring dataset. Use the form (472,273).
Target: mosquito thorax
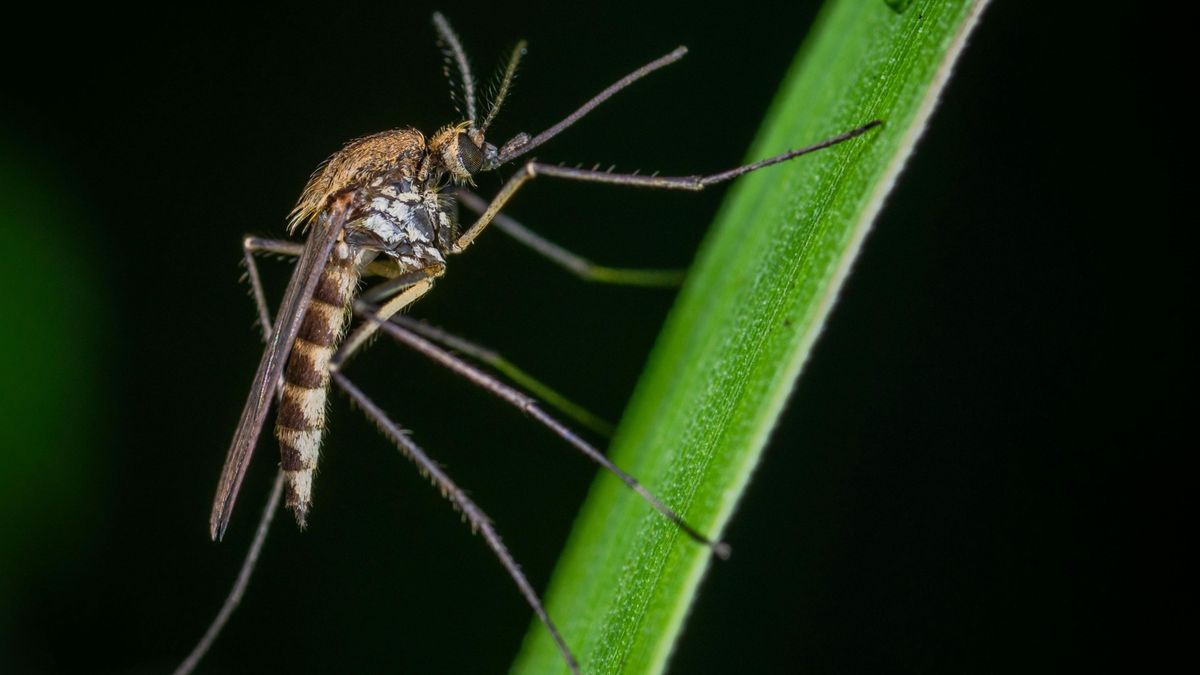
(397,154)
(412,225)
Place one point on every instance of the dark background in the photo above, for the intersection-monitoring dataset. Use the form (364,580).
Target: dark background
(951,488)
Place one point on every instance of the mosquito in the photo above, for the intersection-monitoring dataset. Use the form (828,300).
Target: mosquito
(386,206)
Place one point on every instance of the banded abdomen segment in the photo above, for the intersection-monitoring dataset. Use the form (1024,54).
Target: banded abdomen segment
(300,423)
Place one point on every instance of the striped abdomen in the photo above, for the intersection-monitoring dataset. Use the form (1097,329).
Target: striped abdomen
(301,419)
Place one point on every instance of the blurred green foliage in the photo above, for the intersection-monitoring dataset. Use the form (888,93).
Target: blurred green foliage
(52,349)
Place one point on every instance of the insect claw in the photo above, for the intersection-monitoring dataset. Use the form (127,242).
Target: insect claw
(722,550)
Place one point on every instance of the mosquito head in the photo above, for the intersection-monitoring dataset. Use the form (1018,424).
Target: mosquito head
(462,152)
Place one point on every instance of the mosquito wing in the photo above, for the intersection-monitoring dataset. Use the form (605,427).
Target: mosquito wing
(323,234)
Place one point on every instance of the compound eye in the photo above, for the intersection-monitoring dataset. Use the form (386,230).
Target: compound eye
(469,154)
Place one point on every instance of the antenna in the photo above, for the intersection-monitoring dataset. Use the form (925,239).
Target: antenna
(453,50)
(510,71)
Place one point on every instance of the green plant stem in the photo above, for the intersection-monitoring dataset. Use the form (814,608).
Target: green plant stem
(744,323)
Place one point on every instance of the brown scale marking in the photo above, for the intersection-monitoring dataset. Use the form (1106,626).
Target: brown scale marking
(322,323)
(299,506)
(335,280)
(302,372)
(290,459)
(291,414)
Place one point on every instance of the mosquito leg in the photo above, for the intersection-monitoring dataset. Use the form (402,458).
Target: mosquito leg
(398,293)
(474,515)
(529,406)
(239,586)
(509,370)
(250,246)
(388,289)
(253,244)
(575,264)
(690,183)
